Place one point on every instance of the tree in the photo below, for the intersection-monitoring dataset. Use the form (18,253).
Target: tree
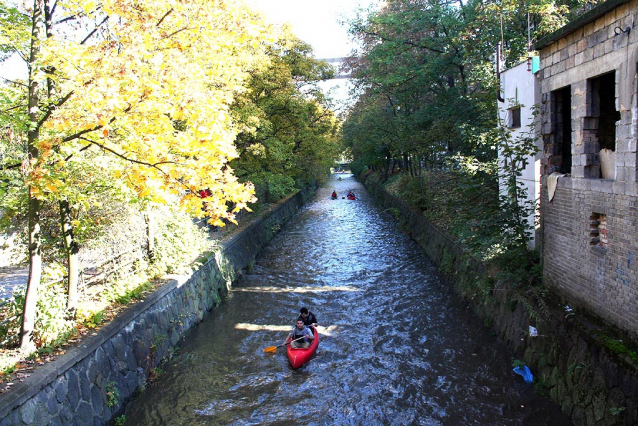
(149,84)
(290,135)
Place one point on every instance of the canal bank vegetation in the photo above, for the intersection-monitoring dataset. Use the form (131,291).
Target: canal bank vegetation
(424,124)
(134,142)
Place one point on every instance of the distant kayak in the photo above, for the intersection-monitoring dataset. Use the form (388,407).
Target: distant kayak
(351,197)
(299,356)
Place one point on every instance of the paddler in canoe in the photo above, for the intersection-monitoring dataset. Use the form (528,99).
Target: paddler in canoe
(301,336)
(309,319)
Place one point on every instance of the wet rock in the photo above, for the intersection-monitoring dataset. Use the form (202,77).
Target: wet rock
(598,404)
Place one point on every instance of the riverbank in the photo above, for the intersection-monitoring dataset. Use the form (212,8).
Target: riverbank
(577,361)
(93,380)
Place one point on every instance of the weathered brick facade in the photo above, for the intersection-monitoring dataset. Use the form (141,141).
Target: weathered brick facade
(590,229)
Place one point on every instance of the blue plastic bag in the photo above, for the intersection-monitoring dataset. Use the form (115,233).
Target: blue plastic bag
(525,372)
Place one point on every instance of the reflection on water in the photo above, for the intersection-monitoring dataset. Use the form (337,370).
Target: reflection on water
(397,348)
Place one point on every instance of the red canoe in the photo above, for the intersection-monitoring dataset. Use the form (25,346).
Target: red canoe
(299,356)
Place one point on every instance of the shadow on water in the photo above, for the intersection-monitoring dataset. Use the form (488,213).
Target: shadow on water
(397,346)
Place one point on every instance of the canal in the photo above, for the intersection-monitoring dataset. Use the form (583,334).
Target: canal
(397,346)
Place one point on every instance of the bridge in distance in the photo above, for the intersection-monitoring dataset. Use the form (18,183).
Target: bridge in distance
(336,62)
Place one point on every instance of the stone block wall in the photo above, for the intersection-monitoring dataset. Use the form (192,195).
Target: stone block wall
(571,363)
(590,229)
(79,387)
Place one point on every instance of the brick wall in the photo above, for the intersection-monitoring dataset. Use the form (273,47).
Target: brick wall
(593,274)
(599,277)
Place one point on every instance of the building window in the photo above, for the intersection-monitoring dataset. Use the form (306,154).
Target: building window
(515,117)
(598,230)
(599,130)
(557,137)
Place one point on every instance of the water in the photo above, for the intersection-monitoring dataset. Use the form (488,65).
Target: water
(397,346)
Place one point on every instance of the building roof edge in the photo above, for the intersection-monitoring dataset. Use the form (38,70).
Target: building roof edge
(579,22)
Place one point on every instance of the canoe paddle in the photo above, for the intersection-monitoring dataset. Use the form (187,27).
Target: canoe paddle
(273,349)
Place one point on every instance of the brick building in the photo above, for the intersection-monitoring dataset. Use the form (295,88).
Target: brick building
(589,119)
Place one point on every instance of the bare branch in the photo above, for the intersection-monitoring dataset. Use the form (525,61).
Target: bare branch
(68,18)
(83,149)
(131,160)
(14,82)
(59,103)
(163,17)
(97,27)
(406,42)
(12,108)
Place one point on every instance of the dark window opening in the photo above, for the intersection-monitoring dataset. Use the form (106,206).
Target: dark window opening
(600,126)
(515,117)
(598,230)
(563,127)
(608,114)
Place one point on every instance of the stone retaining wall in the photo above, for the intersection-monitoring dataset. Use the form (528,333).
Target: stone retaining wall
(90,384)
(575,363)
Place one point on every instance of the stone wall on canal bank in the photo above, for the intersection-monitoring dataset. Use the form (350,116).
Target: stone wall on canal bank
(91,383)
(590,373)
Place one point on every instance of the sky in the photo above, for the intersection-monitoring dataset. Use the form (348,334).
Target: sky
(317,23)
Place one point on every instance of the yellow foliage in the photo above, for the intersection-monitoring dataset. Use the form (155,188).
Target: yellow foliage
(153,89)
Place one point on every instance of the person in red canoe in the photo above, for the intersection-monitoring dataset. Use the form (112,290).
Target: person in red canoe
(303,333)
(334,195)
(309,319)
(351,196)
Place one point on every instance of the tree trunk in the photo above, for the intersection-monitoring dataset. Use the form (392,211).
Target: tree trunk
(387,169)
(35,244)
(73,261)
(35,274)
(150,233)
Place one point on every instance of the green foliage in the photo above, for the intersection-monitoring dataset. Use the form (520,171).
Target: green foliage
(11,314)
(394,212)
(518,363)
(127,290)
(112,394)
(616,411)
(94,320)
(541,387)
(290,136)
(121,420)
(178,242)
(53,322)
(447,263)
(616,345)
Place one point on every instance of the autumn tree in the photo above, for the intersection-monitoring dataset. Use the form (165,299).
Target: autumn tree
(147,84)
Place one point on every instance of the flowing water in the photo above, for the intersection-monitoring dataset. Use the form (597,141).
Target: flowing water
(397,346)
